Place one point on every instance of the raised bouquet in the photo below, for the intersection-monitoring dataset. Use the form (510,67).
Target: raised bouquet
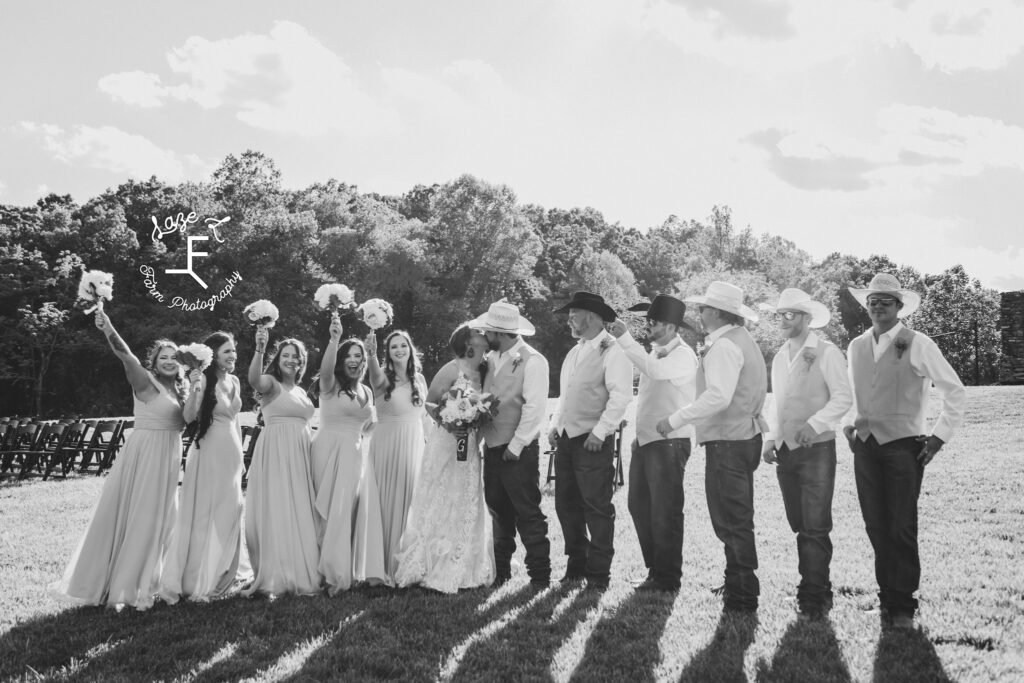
(93,288)
(334,296)
(261,313)
(376,313)
(462,408)
(194,356)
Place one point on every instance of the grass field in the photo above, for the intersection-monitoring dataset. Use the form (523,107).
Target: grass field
(972,599)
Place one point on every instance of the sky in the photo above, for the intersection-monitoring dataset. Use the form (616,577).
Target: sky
(855,126)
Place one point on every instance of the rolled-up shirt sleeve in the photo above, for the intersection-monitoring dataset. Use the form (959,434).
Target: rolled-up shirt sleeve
(722,365)
(927,360)
(671,367)
(535,403)
(618,379)
(840,396)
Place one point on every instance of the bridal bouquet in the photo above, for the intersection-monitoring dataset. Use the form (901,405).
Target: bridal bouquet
(461,408)
(334,296)
(376,313)
(194,356)
(94,287)
(261,313)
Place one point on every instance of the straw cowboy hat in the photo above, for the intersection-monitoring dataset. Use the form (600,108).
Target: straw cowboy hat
(664,308)
(793,299)
(589,302)
(503,317)
(725,297)
(884,283)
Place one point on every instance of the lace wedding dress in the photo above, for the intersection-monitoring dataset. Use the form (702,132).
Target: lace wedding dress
(448,541)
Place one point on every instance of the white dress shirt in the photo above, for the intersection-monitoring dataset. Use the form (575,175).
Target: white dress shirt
(675,363)
(833,368)
(535,395)
(722,363)
(618,378)
(927,361)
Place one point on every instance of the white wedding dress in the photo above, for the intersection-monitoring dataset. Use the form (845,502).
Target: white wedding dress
(448,540)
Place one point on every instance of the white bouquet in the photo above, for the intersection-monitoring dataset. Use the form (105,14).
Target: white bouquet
(194,356)
(261,313)
(94,287)
(334,296)
(376,313)
(462,407)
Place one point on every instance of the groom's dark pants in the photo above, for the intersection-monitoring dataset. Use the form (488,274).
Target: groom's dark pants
(584,483)
(512,492)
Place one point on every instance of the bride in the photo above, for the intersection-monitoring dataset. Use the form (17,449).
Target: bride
(448,543)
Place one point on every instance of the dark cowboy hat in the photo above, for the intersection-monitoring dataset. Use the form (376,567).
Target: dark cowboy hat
(666,309)
(589,302)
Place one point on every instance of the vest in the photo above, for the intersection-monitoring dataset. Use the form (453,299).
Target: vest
(656,400)
(889,395)
(806,393)
(507,386)
(586,396)
(741,419)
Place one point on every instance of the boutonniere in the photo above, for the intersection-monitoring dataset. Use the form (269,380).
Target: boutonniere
(661,353)
(702,349)
(809,357)
(515,362)
(901,345)
(605,343)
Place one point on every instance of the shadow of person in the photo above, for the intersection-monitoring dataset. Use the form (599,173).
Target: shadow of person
(808,651)
(625,644)
(722,658)
(907,655)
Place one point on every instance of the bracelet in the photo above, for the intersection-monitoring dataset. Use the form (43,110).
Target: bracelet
(333,341)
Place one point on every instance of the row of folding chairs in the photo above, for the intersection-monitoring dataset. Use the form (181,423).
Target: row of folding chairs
(618,479)
(29,447)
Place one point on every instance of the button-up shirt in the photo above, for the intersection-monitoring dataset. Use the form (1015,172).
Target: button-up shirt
(535,395)
(673,364)
(618,373)
(722,363)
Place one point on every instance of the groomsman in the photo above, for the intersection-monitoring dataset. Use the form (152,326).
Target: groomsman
(812,394)
(596,388)
(892,369)
(732,381)
(517,374)
(667,376)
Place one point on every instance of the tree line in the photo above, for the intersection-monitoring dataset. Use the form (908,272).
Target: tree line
(440,254)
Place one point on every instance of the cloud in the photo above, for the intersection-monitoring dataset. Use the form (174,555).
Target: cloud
(825,170)
(952,36)
(111,149)
(756,18)
(3,188)
(285,81)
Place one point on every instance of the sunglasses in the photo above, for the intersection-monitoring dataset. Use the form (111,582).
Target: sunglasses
(881,301)
(788,315)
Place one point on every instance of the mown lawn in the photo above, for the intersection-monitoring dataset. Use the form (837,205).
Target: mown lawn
(972,617)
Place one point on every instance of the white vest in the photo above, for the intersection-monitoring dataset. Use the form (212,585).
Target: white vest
(507,386)
(586,396)
(890,396)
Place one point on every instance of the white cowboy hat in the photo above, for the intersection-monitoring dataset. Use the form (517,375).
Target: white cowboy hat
(503,317)
(725,297)
(793,299)
(884,283)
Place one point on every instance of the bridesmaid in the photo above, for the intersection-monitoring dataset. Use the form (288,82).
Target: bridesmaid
(397,445)
(207,539)
(280,518)
(346,407)
(121,556)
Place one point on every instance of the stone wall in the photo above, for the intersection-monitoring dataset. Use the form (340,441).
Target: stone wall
(1011,329)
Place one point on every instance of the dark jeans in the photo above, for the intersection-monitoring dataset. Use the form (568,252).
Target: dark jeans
(512,492)
(807,477)
(729,486)
(583,501)
(656,505)
(888,485)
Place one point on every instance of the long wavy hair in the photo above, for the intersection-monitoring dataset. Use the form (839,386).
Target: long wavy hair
(459,344)
(274,366)
(412,368)
(152,353)
(341,379)
(215,341)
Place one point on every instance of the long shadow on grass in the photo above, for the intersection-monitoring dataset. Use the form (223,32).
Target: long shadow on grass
(722,658)
(808,651)
(625,645)
(907,655)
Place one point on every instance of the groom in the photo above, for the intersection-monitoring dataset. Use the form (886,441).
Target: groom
(517,375)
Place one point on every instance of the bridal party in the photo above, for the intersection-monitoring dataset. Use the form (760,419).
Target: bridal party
(409,481)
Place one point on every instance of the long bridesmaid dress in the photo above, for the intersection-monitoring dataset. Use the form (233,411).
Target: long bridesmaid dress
(207,540)
(120,558)
(396,451)
(346,539)
(280,517)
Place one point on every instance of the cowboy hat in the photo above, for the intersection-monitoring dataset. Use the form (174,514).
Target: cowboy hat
(884,283)
(793,299)
(664,308)
(502,316)
(725,297)
(589,302)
